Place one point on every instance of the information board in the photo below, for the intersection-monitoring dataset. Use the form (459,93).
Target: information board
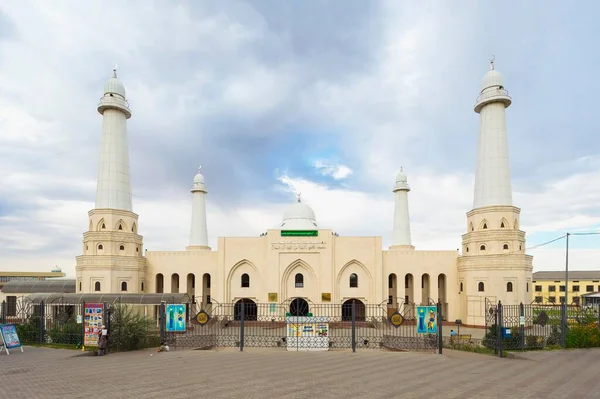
(10,338)
(175,315)
(93,319)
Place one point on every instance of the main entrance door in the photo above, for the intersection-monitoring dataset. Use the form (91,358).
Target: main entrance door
(299,307)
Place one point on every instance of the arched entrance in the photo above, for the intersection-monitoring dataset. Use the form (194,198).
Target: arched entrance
(347,310)
(299,307)
(250,310)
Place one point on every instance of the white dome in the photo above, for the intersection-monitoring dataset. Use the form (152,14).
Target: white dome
(199,178)
(115,86)
(401,177)
(299,216)
(56,269)
(492,78)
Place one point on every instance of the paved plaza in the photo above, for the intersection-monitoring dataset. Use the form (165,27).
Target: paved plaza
(227,373)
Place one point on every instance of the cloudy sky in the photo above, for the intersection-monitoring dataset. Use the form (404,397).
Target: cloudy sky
(329,98)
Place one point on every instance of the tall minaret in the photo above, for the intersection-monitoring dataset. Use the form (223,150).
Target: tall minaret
(114,187)
(492,176)
(198,231)
(112,260)
(493,265)
(401,234)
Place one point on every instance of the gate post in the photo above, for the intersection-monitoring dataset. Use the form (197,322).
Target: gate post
(440,324)
(501,328)
(563,324)
(243,316)
(353,326)
(522,325)
(42,321)
(161,321)
(3,314)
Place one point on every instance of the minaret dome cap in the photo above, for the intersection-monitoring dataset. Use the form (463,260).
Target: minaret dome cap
(114,85)
(199,178)
(401,177)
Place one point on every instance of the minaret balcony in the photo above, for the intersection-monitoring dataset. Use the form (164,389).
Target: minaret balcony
(490,96)
(110,102)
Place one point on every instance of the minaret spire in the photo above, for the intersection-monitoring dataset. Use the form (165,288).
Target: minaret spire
(401,233)
(113,190)
(492,176)
(198,230)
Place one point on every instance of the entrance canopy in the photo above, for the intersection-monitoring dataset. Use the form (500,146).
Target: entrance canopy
(133,299)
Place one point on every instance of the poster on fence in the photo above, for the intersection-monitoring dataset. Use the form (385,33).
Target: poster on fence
(175,318)
(93,318)
(10,338)
(427,319)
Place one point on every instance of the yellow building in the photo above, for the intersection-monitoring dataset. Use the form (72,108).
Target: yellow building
(549,287)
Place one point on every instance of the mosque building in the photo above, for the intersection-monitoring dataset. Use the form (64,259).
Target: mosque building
(303,261)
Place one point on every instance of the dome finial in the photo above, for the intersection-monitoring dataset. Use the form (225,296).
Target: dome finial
(199,167)
(298,195)
(115,71)
(492,62)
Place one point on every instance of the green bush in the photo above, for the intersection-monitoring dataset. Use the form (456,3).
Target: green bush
(30,330)
(583,336)
(69,333)
(131,330)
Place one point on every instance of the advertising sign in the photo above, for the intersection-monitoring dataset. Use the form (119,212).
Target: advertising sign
(427,319)
(93,318)
(8,333)
(175,318)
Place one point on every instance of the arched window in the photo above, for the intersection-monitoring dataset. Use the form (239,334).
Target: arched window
(124,286)
(502,225)
(120,227)
(97,286)
(353,280)
(391,280)
(485,226)
(245,280)
(80,286)
(467,249)
(299,279)
(505,246)
(100,247)
(509,287)
(461,286)
(103,226)
(480,287)
(142,286)
(482,247)
(121,247)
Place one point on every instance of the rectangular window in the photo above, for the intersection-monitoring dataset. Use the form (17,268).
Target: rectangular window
(561,288)
(11,305)
(391,300)
(208,299)
(552,299)
(575,288)
(538,299)
(538,288)
(589,288)
(576,300)
(552,288)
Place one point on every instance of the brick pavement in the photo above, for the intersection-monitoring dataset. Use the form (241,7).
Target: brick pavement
(272,373)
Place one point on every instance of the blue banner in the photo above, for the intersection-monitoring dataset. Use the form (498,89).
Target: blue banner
(10,336)
(427,319)
(175,318)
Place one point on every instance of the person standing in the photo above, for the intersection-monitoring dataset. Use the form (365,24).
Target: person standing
(102,341)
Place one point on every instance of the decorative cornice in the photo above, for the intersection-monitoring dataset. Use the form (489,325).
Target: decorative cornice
(494,209)
(494,235)
(118,212)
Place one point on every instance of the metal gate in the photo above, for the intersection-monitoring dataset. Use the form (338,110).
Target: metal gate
(297,324)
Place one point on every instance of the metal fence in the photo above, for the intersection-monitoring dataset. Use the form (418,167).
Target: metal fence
(299,325)
(533,326)
(60,322)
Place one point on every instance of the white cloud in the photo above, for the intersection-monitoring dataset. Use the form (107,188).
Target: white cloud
(337,171)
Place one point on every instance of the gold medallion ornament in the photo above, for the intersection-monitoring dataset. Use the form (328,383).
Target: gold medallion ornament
(396,319)
(202,317)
